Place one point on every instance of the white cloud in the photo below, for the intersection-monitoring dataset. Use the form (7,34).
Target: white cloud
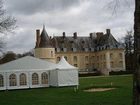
(82,16)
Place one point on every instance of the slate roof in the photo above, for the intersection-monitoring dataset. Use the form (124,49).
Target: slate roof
(70,43)
(105,41)
(77,43)
(108,41)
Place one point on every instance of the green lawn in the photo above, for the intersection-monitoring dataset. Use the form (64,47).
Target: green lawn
(122,95)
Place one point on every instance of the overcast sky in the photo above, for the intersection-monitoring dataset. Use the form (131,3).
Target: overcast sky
(81,16)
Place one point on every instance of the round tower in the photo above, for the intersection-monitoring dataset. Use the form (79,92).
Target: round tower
(44,49)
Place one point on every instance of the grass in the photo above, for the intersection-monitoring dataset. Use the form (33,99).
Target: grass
(122,95)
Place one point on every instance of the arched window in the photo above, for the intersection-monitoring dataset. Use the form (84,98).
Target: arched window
(22,79)
(1,81)
(35,78)
(44,78)
(12,80)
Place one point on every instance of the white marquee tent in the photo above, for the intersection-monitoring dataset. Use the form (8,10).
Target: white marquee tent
(64,75)
(31,72)
(26,72)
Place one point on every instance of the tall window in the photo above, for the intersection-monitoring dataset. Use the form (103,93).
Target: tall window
(35,79)
(101,57)
(112,64)
(104,65)
(104,57)
(1,81)
(13,80)
(22,79)
(120,55)
(111,56)
(51,53)
(93,58)
(93,65)
(86,66)
(97,58)
(86,58)
(44,78)
(98,65)
(75,58)
(121,64)
(75,65)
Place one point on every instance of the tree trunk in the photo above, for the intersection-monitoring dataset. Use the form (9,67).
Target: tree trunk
(136,82)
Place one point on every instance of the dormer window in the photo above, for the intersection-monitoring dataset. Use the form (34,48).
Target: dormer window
(62,41)
(57,49)
(86,49)
(98,48)
(61,49)
(71,42)
(83,41)
(74,49)
(64,49)
(116,46)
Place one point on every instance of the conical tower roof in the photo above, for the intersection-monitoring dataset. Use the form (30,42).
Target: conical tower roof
(45,41)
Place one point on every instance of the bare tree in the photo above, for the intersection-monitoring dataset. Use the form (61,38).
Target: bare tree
(129,42)
(7,23)
(136,77)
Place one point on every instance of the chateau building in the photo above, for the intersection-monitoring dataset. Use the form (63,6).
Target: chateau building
(98,51)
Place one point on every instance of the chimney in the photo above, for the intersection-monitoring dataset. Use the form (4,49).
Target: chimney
(91,35)
(64,35)
(37,37)
(108,31)
(99,34)
(75,35)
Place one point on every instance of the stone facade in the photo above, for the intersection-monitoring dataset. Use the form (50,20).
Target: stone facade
(97,52)
(105,61)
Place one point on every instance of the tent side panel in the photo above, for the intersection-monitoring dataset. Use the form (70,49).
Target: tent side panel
(53,78)
(68,78)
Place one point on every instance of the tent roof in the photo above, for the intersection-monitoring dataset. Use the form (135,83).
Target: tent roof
(63,64)
(27,63)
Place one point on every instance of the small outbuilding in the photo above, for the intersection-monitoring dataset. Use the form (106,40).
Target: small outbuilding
(64,75)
